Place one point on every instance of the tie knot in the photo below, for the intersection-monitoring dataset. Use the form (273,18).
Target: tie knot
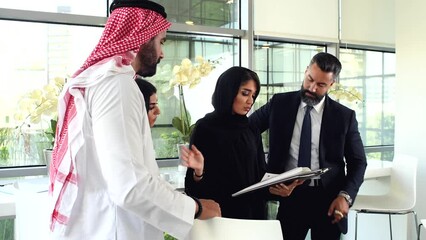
(308,108)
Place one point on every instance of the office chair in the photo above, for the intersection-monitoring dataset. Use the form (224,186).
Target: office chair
(220,228)
(399,200)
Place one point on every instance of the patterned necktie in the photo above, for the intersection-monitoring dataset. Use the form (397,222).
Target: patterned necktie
(305,140)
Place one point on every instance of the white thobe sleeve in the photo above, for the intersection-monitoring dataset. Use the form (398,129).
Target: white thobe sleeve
(123,141)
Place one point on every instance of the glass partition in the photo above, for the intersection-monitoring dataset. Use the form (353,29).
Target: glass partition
(223,52)
(214,13)
(373,74)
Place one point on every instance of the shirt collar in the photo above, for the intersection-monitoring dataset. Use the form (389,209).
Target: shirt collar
(318,108)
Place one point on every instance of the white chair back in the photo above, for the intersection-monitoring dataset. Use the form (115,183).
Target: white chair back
(235,229)
(402,189)
(403,181)
(399,200)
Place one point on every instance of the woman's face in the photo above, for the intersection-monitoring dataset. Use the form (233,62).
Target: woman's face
(245,98)
(153,110)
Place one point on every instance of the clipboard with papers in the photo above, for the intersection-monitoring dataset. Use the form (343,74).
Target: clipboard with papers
(269,179)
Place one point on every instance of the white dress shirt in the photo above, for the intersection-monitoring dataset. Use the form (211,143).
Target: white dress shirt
(316,118)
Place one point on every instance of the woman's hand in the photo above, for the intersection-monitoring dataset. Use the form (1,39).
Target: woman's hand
(192,158)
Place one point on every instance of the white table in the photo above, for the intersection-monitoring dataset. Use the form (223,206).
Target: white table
(375,170)
(8,198)
(7,206)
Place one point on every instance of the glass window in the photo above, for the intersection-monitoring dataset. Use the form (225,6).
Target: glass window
(54,51)
(80,7)
(373,74)
(58,50)
(62,49)
(214,13)
(224,51)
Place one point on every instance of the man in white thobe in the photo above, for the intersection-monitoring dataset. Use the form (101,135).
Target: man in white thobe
(104,181)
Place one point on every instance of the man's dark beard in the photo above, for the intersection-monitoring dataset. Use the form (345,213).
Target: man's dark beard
(148,60)
(148,70)
(148,66)
(309,100)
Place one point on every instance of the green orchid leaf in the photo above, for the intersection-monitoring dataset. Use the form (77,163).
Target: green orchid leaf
(53,123)
(177,123)
(191,128)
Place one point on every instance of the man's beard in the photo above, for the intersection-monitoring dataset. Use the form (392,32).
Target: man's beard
(311,101)
(148,70)
(148,61)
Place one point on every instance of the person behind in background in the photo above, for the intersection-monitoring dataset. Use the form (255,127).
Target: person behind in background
(229,153)
(104,180)
(149,93)
(321,204)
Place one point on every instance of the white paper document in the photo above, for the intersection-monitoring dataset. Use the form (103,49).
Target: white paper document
(293,174)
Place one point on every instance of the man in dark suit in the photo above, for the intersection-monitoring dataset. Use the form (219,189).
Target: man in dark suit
(320,204)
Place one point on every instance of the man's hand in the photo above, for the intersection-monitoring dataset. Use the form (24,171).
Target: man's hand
(284,190)
(192,158)
(339,208)
(211,209)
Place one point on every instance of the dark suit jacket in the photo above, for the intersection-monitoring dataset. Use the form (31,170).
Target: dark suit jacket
(339,141)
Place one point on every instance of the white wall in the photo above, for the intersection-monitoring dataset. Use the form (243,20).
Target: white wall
(368,22)
(410,129)
(301,19)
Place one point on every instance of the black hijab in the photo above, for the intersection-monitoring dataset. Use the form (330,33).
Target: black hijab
(147,90)
(233,153)
(227,87)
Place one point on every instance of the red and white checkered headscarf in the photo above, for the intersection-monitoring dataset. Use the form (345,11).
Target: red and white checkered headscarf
(125,31)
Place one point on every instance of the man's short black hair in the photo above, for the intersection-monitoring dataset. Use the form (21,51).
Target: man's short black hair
(139,3)
(327,63)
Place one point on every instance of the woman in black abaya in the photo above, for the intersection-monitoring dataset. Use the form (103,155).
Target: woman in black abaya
(230,151)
